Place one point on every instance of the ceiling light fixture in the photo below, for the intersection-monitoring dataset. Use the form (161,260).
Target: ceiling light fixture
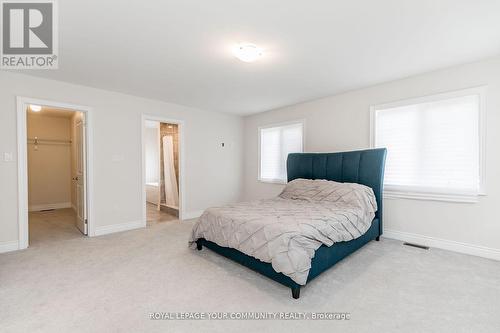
(35,108)
(247,52)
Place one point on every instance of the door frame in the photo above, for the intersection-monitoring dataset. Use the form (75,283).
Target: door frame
(22,162)
(182,198)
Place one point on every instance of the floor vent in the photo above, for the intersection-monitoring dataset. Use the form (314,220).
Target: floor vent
(47,210)
(417,246)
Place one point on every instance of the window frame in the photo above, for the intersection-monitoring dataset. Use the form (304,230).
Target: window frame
(259,146)
(423,193)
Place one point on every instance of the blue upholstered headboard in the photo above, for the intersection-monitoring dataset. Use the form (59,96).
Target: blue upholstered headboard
(361,166)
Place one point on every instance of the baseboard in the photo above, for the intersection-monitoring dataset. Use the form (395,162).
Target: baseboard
(192,215)
(60,205)
(110,229)
(444,244)
(9,246)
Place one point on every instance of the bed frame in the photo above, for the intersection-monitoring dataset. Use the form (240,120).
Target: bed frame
(364,167)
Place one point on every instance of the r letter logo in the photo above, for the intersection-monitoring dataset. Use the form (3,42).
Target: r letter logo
(29,36)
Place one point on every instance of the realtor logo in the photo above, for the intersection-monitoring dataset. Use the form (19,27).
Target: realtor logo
(29,35)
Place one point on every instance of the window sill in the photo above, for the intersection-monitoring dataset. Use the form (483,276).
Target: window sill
(273,181)
(449,197)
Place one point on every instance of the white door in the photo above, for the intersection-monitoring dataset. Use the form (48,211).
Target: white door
(81,190)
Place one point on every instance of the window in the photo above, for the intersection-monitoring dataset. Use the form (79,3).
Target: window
(275,145)
(434,146)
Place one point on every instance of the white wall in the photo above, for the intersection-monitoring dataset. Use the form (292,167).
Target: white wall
(342,122)
(212,174)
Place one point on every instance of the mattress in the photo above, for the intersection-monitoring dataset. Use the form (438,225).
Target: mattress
(287,230)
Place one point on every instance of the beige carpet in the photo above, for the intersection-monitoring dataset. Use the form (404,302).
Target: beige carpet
(111,283)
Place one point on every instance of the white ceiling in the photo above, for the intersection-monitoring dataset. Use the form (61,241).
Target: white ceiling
(180,51)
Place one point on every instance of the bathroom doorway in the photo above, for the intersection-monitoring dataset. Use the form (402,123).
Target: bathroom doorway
(161,170)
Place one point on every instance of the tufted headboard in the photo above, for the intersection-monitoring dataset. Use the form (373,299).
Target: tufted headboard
(361,166)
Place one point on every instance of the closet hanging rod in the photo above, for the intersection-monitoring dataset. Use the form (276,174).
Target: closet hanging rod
(38,141)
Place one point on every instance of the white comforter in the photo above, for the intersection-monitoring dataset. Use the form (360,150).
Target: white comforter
(287,230)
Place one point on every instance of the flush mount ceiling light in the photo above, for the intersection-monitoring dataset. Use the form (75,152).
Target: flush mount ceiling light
(247,52)
(35,108)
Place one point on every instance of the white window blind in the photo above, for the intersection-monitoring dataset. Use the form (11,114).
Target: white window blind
(433,145)
(275,145)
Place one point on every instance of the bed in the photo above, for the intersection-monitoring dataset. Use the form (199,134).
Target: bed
(358,171)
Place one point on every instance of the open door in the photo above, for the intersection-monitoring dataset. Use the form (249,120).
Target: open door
(81,188)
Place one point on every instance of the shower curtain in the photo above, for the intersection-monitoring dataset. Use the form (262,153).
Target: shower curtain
(171,192)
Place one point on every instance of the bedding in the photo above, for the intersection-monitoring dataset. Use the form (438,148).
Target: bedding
(287,230)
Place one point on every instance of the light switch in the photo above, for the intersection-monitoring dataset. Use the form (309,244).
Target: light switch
(7,157)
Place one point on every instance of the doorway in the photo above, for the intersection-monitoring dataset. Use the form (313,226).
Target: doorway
(162,170)
(53,172)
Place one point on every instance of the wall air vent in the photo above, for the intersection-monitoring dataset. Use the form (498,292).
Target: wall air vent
(423,247)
